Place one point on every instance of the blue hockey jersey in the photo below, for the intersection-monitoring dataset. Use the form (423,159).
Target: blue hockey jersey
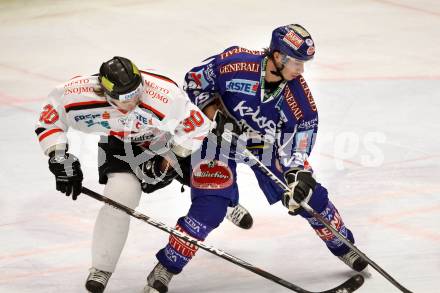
(284,122)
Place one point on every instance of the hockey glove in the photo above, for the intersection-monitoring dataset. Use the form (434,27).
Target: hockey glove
(301,184)
(185,166)
(68,174)
(225,126)
(154,178)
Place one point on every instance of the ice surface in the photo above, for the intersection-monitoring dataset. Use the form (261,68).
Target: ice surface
(375,80)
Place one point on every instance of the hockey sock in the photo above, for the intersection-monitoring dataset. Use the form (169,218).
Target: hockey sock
(205,214)
(336,246)
(177,253)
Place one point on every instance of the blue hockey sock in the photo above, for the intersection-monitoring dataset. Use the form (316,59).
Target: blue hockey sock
(205,214)
(336,246)
(177,253)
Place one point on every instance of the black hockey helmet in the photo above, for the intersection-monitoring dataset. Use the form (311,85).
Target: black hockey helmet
(120,78)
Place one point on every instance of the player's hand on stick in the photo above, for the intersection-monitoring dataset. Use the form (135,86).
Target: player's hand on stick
(301,184)
(156,174)
(225,128)
(224,122)
(67,171)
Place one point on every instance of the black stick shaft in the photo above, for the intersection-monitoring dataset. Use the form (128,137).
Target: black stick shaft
(211,249)
(321,219)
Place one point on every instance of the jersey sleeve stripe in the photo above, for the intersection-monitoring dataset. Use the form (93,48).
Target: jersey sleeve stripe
(160,77)
(50,132)
(157,113)
(86,105)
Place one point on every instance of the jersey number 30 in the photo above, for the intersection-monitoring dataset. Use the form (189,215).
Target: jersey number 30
(193,121)
(49,115)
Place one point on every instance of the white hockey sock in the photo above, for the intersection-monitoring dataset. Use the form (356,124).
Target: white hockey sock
(111,226)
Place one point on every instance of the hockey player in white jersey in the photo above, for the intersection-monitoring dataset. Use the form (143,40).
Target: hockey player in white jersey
(148,127)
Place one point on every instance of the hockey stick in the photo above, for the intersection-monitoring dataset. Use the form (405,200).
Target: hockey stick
(348,286)
(245,152)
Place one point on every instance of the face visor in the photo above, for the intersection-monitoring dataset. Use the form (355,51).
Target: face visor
(292,64)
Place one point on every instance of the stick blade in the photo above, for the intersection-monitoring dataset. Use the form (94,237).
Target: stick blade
(351,285)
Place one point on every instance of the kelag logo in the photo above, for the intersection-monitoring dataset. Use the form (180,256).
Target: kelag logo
(244,86)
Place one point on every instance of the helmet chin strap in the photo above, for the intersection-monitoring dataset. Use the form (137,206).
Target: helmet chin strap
(278,70)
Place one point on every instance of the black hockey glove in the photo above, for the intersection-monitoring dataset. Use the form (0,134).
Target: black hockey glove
(185,166)
(184,179)
(301,184)
(68,174)
(225,126)
(154,178)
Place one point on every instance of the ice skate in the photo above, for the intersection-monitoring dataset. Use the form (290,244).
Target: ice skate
(240,216)
(354,261)
(97,280)
(158,280)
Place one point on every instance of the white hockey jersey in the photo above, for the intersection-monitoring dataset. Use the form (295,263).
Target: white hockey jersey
(164,112)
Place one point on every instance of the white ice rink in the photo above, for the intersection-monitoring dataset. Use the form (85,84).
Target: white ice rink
(375,79)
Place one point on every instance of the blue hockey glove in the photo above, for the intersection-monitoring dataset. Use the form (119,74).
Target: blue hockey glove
(301,184)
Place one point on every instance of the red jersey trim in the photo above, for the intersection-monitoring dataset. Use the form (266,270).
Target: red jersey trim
(159,114)
(86,105)
(120,134)
(50,132)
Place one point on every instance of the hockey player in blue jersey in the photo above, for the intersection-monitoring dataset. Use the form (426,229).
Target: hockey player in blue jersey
(263,98)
